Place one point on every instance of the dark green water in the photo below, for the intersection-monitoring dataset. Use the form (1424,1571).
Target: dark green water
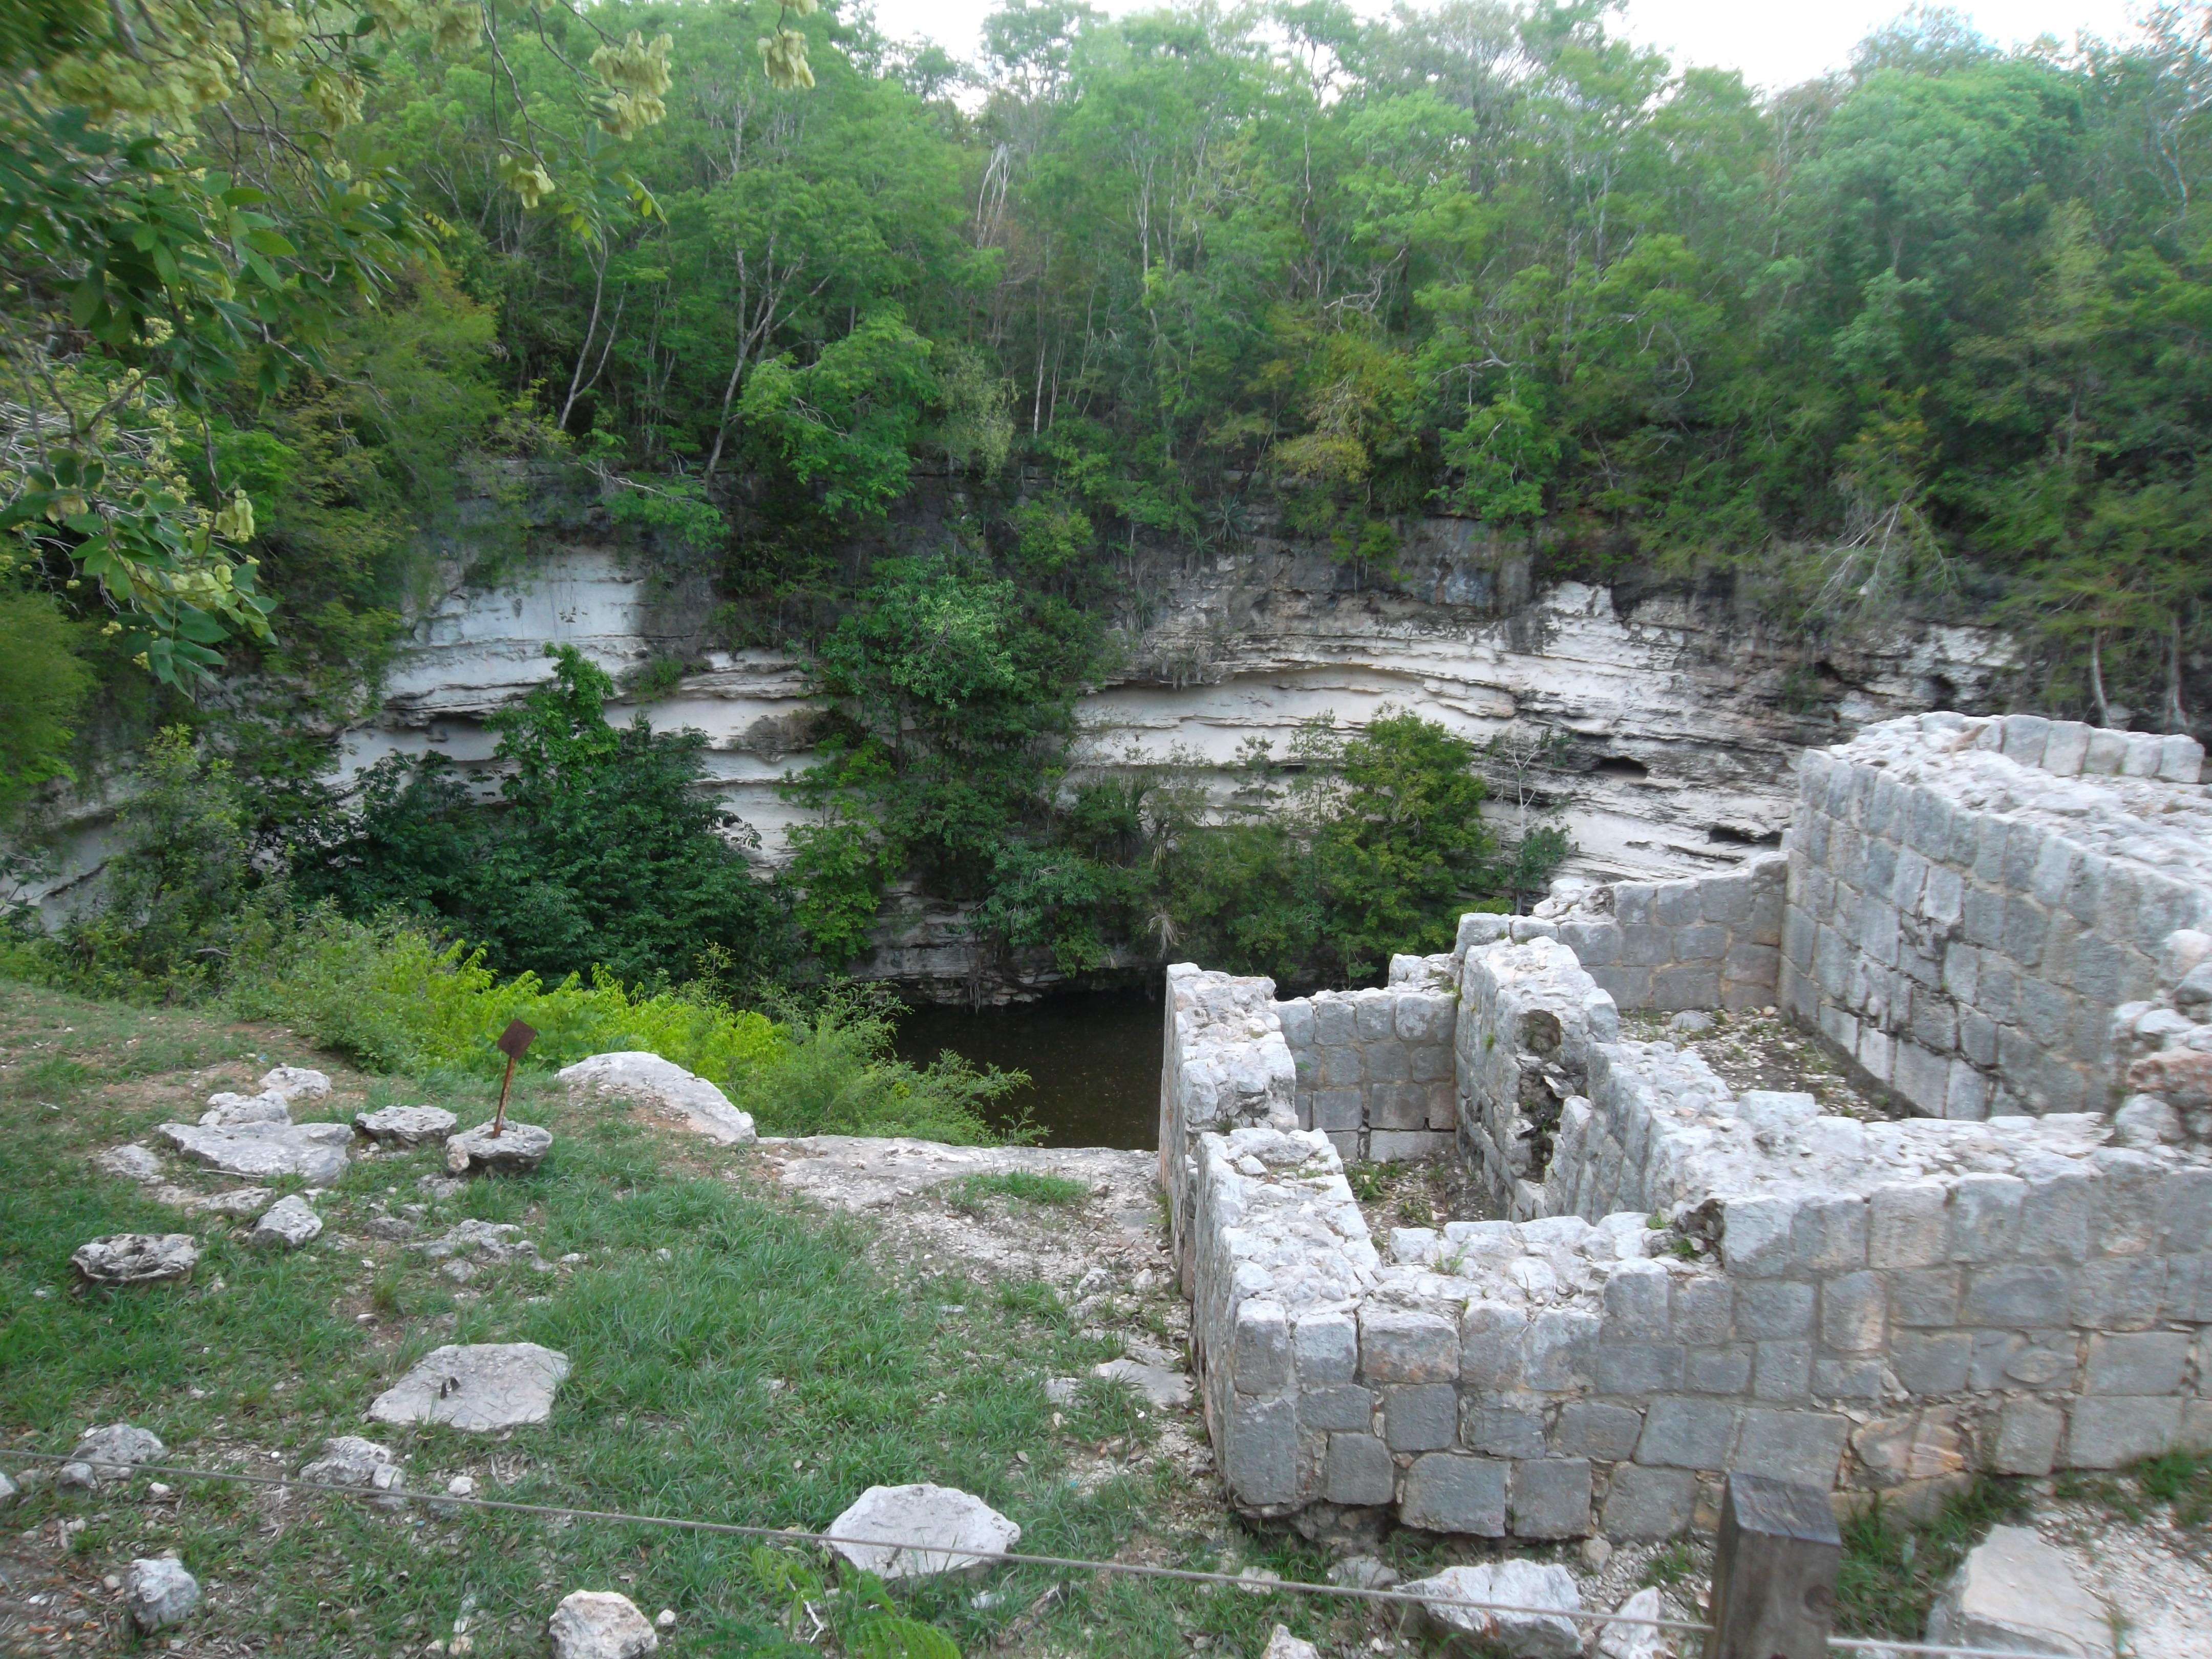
(1093,1061)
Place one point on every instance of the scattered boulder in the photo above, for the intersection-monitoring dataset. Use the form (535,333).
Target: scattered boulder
(315,1151)
(1165,1389)
(478,1387)
(1363,1572)
(108,1454)
(395,1227)
(1691,1021)
(1284,1645)
(406,1126)
(494,1242)
(1546,1635)
(518,1149)
(136,1258)
(160,1593)
(224,1110)
(2016,1591)
(132,1163)
(1062,1390)
(287,1225)
(238,1200)
(1635,1641)
(8,1491)
(911,1532)
(296,1083)
(667,1087)
(349,1460)
(600,1624)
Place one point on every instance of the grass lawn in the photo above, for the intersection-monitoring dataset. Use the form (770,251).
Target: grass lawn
(736,1355)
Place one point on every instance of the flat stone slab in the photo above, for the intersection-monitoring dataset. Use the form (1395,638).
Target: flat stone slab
(479,1387)
(132,1163)
(315,1151)
(517,1149)
(286,1224)
(238,1200)
(138,1258)
(296,1083)
(2015,1591)
(1165,1389)
(646,1079)
(912,1532)
(225,1110)
(112,1450)
(406,1126)
(1514,1585)
(600,1624)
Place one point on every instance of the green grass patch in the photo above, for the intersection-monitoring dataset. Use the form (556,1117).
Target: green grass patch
(766,1372)
(971,1194)
(1891,1574)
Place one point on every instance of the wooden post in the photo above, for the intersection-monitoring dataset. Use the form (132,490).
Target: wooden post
(1774,1571)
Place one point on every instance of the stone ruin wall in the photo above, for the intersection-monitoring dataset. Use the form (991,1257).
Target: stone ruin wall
(1697,1281)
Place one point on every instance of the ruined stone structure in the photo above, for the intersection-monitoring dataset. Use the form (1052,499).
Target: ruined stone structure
(2006,924)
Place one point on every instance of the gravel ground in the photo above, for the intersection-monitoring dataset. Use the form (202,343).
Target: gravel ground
(2155,1576)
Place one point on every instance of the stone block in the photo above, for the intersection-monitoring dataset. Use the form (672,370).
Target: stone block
(1260,1354)
(1386,1061)
(2107,1431)
(1852,1312)
(1589,1428)
(2018,1294)
(1639,1368)
(2120,1293)
(1397,1345)
(1830,1233)
(1490,1346)
(1350,1409)
(1680,1431)
(1679,987)
(1985,1217)
(2026,925)
(1341,1065)
(1424,1016)
(1559,1350)
(1357,1470)
(1430,1062)
(1756,1236)
(1259,1454)
(2028,1437)
(1636,1302)
(1649,1502)
(1333,1021)
(1934,1362)
(1705,942)
(1406,1146)
(1548,1498)
(2181,759)
(1421,1416)
(1802,1447)
(1908,1225)
(1848,1378)
(1513,1427)
(1965,1093)
(2136,1362)
(1978,1037)
(1704,1309)
(1782,1308)
(1372,1014)
(1339,1110)
(1448,1492)
(1925,1297)
(1781,1372)
(1398,1106)
(1717,1370)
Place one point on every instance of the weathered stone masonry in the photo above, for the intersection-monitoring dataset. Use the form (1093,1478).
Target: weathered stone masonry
(1871,1307)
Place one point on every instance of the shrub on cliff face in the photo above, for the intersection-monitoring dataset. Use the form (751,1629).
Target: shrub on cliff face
(604,853)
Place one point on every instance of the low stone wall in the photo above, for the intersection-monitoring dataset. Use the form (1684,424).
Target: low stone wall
(1706,942)
(1970,901)
(1375,1066)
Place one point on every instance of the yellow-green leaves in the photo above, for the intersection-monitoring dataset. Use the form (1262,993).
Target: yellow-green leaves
(783,55)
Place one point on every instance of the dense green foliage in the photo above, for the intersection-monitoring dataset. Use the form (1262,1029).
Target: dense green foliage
(933,371)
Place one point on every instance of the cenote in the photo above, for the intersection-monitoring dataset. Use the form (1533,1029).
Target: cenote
(1093,1061)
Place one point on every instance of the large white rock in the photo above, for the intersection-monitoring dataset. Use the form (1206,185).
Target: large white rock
(237,1200)
(646,1079)
(112,1451)
(132,1163)
(517,1149)
(910,1531)
(478,1387)
(600,1624)
(2015,1591)
(160,1593)
(348,1460)
(1634,1641)
(286,1224)
(296,1083)
(136,1258)
(315,1151)
(406,1126)
(1541,1635)
(1281,1645)
(225,1110)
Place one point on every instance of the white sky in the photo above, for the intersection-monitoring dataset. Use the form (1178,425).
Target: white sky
(1775,43)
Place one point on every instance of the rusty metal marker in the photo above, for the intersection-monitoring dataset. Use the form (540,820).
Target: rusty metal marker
(513,1042)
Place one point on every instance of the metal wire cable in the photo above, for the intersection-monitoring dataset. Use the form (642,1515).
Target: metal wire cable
(779,1535)
(1008,1558)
